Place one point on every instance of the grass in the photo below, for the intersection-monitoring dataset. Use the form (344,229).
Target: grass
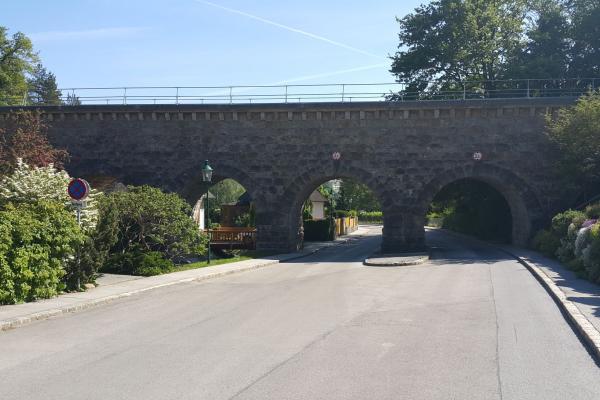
(246,255)
(213,262)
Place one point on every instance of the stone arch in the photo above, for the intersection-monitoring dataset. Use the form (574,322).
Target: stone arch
(303,184)
(190,185)
(525,207)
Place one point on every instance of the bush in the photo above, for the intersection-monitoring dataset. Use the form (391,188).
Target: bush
(147,220)
(546,242)
(36,241)
(566,226)
(345,213)
(593,211)
(319,230)
(591,255)
(561,222)
(370,216)
(139,263)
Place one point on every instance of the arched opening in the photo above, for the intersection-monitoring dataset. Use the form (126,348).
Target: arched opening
(226,210)
(328,208)
(472,207)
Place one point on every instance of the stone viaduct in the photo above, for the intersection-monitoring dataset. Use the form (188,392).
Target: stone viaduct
(404,151)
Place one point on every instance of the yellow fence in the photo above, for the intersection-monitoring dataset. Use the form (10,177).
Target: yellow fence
(345,225)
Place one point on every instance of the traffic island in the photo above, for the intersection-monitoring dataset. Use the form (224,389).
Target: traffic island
(397,260)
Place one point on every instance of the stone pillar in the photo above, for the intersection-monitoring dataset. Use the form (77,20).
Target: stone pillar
(403,232)
(275,233)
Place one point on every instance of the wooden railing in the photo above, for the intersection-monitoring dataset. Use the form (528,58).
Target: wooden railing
(233,238)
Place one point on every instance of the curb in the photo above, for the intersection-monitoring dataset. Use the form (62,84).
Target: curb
(584,328)
(21,321)
(410,260)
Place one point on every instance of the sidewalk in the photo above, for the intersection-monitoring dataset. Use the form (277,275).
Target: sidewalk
(112,287)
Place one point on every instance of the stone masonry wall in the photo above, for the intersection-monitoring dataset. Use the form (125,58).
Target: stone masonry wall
(405,152)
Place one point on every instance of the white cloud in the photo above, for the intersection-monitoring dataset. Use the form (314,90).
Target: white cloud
(88,34)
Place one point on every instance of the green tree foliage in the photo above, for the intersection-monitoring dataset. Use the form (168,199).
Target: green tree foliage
(452,41)
(576,133)
(227,191)
(43,89)
(36,241)
(545,54)
(24,137)
(356,196)
(149,221)
(474,208)
(585,36)
(16,61)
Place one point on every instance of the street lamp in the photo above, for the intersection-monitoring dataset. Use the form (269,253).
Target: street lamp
(207,177)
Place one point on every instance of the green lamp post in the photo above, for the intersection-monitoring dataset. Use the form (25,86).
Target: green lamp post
(207,178)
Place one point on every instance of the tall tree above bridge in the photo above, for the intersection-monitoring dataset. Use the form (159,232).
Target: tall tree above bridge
(17,59)
(451,41)
(43,89)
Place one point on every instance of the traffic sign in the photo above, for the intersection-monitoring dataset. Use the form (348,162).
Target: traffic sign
(336,155)
(78,189)
(477,156)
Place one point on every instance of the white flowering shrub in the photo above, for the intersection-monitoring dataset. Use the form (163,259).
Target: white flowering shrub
(27,184)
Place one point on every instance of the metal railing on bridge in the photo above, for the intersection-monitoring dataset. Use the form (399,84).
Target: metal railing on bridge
(342,92)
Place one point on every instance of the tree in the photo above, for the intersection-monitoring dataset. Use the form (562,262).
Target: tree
(16,61)
(356,196)
(153,229)
(43,89)
(585,32)
(453,41)
(576,133)
(24,136)
(546,52)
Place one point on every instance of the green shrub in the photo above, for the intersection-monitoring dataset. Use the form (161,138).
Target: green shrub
(370,216)
(566,226)
(147,220)
(319,230)
(561,222)
(546,242)
(591,255)
(138,263)
(345,213)
(36,241)
(593,211)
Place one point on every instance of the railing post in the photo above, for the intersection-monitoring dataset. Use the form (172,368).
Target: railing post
(528,88)
(124,95)
(343,91)
(286,93)
(230,94)
(177,95)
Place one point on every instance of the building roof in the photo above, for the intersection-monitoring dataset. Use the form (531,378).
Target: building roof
(317,197)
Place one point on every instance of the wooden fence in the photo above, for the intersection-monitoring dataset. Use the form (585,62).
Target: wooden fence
(233,238)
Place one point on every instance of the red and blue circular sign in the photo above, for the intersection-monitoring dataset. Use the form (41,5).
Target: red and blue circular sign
(78,189)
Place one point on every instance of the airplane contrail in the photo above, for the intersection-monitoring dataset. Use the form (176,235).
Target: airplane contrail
(332,73)
(289,28)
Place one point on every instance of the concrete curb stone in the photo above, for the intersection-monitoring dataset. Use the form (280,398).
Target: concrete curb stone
(396,260)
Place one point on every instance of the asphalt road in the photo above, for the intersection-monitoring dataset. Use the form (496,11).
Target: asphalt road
(470,324)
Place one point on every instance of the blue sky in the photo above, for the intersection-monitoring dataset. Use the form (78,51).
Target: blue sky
(219,42)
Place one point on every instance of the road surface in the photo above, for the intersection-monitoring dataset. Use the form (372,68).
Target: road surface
(470,324)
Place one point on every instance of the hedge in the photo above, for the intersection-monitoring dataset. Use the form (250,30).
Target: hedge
(36,242)
(319,230)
